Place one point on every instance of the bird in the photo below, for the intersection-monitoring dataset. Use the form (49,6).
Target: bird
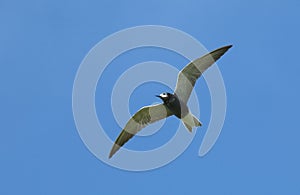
(172,103)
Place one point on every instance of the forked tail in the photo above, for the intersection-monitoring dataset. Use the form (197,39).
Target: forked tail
(190,121)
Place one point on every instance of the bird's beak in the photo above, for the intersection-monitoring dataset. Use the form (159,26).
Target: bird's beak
(158,96)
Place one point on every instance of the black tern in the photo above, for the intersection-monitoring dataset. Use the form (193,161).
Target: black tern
(173,104)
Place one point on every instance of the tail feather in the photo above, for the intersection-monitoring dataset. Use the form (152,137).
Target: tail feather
(190,128)
(191,121)
(197,122)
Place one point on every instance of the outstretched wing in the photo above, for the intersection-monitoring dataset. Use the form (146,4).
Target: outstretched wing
(188,76)
(142,118)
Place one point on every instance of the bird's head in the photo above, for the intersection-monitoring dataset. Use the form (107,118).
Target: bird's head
(165,96)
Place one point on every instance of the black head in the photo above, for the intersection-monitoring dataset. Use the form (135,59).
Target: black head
(165,96)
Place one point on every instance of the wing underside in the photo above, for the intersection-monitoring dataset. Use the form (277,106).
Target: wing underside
(142,118)
(188,76)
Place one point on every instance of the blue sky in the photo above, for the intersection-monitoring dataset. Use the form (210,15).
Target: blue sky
(43,44)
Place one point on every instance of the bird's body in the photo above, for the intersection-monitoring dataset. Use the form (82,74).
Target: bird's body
(180,110)
(173,104)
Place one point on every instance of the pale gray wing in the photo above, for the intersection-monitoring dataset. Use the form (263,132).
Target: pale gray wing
(142,118)
(188,76)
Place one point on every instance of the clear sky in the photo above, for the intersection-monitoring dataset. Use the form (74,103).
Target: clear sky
(42,44)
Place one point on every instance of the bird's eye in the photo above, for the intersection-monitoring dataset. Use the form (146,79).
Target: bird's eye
(164,94)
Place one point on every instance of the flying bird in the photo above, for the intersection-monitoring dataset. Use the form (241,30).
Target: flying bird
(173,104)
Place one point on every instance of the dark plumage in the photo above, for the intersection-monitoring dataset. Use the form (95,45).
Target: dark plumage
(174,104)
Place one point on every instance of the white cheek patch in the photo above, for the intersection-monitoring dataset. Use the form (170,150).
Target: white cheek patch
(163,95)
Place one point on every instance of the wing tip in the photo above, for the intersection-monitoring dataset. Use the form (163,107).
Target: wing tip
(114,149)
(227,47)
(220,52)
(110,154)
